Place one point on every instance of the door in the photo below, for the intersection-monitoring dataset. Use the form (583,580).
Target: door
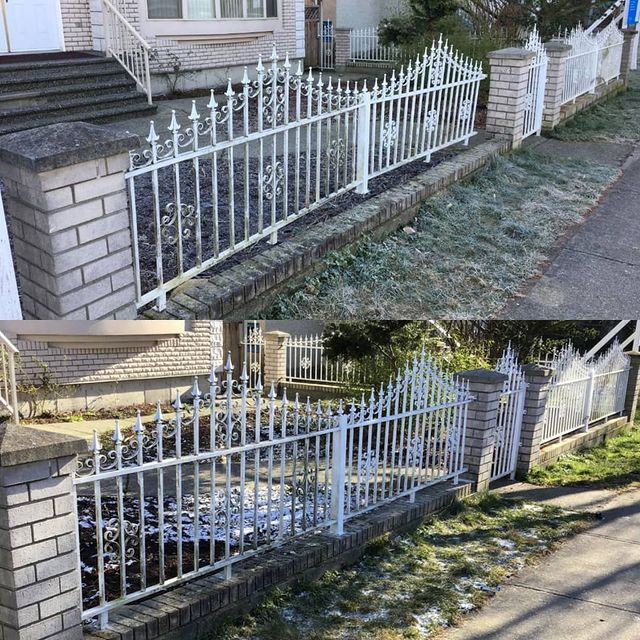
(31,25)
(312,42)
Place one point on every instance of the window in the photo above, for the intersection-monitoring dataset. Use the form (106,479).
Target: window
(211,9)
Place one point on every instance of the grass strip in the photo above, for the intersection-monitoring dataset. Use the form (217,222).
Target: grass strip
(411,586)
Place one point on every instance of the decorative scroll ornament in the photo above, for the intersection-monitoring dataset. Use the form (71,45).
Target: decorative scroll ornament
(415,450)
(255,367)
(528,101)
(389,135)
(254,337)
(305,363)
(112,534)
(273,181)
(466,109)
(336,153)
(431,121)
(437,73)
(169,227)
(369,461)
(500,436)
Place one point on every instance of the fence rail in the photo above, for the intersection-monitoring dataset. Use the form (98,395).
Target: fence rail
(536,83)
(282,147)
(239,473)
(584,392)
(365,46)
(8,386)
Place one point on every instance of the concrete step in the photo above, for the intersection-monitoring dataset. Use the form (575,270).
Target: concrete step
(18,81)
(103,115)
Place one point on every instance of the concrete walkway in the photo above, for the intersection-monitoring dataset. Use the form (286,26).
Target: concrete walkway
(595,272)
(588,590)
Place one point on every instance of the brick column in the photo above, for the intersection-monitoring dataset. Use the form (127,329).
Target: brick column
(343,48)
(486,387)
(275,357)
(535,402)
(39,582)
(558,53)
(68,211)
(627,51)
(508,93)
(633,386)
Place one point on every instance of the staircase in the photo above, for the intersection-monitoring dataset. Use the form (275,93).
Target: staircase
(88,89)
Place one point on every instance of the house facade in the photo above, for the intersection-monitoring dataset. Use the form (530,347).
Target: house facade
(203,41)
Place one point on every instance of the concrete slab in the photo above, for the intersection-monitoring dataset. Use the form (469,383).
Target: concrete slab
(600,152)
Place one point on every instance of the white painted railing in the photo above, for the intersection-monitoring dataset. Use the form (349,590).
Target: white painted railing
(583,392)
(610,43)
(281,148)
(8,385)
(616,335)
(260,471)
(308,362)
(365,46)
(11,309)
(536,84)
(127,46)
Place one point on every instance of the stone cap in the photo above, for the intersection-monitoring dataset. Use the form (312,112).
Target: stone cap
(536,370)
(277,334)
(557,46)
(511,53)
(20,445)
(64,144)
(483,376)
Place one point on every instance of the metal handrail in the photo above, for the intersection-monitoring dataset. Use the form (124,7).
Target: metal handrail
(8,380)
(135,62)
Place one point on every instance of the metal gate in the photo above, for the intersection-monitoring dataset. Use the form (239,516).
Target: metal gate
(312,42)
(252,343)
(536,85)
(509,420)
(327,45)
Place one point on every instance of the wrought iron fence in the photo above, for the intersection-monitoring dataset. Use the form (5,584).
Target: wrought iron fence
(610,43)
(365,46)
(253,350)
(308,362)
(8,386)
(282,147)
(190,494)
(509,419)
(536,84)
(584,392)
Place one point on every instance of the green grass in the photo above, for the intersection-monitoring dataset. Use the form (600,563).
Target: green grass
(410,586)
(614,465)
(469,249)
(615,120)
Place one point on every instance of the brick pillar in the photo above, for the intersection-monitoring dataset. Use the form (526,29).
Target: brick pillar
(628,49)
(633,386)
(275,357)
(486,387)
(68,211)
(508,93)
(39,582)
(535,402)
(558,53)
(343,48)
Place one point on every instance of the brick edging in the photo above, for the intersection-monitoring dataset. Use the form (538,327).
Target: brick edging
(240,289)
(198,607)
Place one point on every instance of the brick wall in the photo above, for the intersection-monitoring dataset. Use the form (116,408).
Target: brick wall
(192,353)
(76,25)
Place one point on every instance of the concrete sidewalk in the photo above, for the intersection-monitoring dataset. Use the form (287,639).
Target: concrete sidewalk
(595,272)
(588,590)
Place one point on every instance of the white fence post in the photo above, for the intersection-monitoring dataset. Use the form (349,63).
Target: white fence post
(338,475)
(588,399)
(364,142)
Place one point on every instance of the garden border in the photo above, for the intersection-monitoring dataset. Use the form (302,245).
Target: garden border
(241,289)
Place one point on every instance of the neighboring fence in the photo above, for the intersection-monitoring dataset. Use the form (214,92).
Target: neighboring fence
(253,351)
(594,60)
(308,362)
(365,46)
(327,45)
(584,392)
(282,147)
(8,387)
(259,471)
(127,46)
(536,84)
(509,420)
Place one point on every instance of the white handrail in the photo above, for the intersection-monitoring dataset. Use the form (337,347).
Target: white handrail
(8,388)
(128,47)
(617,5)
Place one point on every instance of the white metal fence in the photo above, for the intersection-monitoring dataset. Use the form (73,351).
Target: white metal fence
(594,60)
(280,148)
(583,392)
(509,419)
(253,351)
(8,386)
(308,362)
(327,45)
(365,46)
(536,84)
(162,503)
